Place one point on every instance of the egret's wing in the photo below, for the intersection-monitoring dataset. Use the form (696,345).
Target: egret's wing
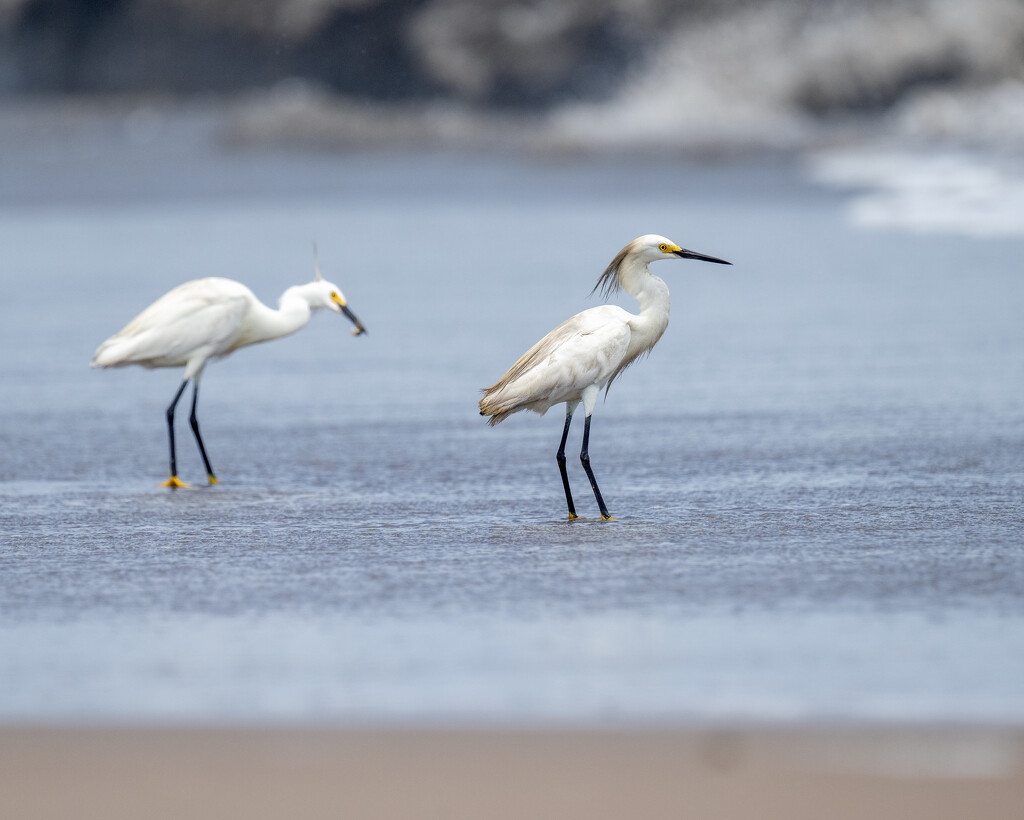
(582,351)
(587,356)
(201,316)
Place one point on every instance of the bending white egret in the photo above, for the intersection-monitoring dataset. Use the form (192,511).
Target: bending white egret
(208,319)
(588,352)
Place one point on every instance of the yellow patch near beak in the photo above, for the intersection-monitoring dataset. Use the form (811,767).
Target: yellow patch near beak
(336,298)
(672,248)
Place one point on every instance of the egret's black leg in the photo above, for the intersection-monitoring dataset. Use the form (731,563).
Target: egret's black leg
(194,423)
(585,458)
(174,481)
(560,457)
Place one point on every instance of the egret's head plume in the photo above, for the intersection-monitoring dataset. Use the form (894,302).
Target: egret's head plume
(609,282)
(317,276)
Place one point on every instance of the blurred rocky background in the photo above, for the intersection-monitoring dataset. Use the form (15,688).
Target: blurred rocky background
(575,74)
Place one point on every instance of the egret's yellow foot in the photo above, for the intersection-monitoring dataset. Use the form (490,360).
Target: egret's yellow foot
(608,518)
(174,482)
(573,516)
(212,479)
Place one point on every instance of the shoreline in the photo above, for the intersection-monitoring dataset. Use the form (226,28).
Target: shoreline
(734,772)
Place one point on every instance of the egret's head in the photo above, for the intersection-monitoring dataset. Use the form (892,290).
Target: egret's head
(653,247)
(327,294)
(324,294)
(646,249)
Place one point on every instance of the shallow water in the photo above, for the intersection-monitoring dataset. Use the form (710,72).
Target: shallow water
(818,476)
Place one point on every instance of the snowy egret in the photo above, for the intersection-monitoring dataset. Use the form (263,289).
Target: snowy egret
(589,351)
(208,319)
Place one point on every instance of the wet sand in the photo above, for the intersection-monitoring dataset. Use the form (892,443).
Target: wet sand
(256,773)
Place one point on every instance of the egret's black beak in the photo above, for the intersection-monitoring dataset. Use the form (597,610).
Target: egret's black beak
(354,320)
(682,253)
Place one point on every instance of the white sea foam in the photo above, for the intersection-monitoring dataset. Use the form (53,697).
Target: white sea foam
(933,192)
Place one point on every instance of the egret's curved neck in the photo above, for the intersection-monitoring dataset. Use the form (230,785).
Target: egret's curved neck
(650,291)
(293,313)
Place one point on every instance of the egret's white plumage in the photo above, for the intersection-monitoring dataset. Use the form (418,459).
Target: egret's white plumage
(207,319)
(586,353)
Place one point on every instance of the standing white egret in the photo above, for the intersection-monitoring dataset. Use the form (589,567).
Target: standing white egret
(208,319)
(587,352)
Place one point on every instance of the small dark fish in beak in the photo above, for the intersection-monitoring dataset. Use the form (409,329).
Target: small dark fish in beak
(685,254)
(355,320)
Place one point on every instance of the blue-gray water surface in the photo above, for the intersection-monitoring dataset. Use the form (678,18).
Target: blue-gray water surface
(817,476)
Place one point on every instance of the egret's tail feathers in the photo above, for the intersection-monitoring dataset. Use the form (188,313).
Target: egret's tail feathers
(492,408)
(498,407)
(120,351)
(106,355)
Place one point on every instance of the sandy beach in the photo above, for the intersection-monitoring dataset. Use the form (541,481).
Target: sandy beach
(156,773)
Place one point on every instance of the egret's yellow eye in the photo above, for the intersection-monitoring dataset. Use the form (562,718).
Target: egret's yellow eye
(663,247)
(336,297)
